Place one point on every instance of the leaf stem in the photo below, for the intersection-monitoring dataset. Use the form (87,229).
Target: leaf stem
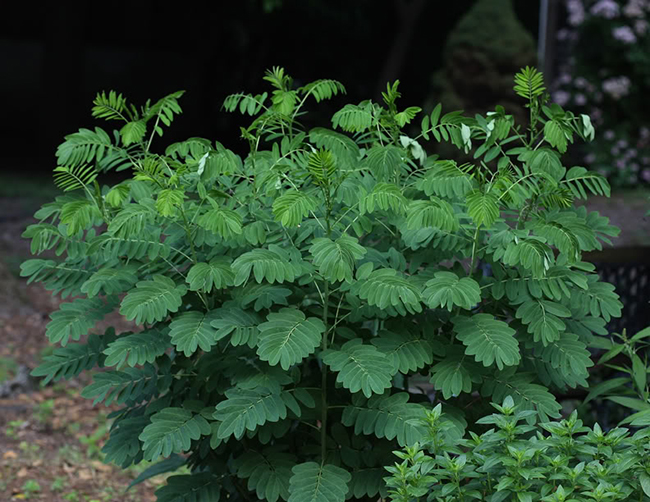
(323,425)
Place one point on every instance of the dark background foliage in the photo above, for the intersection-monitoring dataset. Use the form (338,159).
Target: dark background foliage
(55,58)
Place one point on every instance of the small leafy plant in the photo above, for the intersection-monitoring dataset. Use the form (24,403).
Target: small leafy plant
(286,300)
(518,460)
(629,387)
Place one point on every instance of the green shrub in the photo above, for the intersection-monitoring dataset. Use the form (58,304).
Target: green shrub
(290,301)
(517,460)
(627,385)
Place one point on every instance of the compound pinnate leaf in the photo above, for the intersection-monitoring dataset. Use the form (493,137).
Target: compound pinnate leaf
(336,259)
(384,196)
(447,290)
(312,482)
(195,487)
(268,474)
(483,207)
(110,281)
(406,352)
(67,362)
(239,324)
(205,276)
(361,367)
(192,330)
(387,287)
(291,207)
(288,336)
(543,319)
(171,431)
(266,264)
(247,409)
(221,221)
(136,348)
(488,340)
(151,301)
(527,395)
(388,417)
(456,373)
(74,319)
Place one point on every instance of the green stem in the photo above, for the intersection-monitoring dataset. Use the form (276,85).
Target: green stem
(326,295)
(474,243)
(323,425)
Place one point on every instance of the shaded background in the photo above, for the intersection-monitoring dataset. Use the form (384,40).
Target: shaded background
(55,59)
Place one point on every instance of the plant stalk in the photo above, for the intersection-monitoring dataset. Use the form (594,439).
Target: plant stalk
(323,420)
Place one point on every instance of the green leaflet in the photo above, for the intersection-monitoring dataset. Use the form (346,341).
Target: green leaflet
(268,474)
(223,222)
(488,340)
(360,367)
(270,264)
(386,287)
(69,361)
(110,281)
(151,301)
(579,180)
(531,253)
(79,215)
(384,161)
(171,431)
(190,488)
(384,196)
(239,324)
(569,355)
(455,373)
(168,201)
(136,348)
(336,259)
(447,290)
(543,318)
(528,395)
(247,409)
(353,118)
(205,276)
(288,336)
(84,146)
(74,178)
(74,319)
(261,296)
(387,417)
(131,220)
(345,149)
(599,300)
(312,482)
(122,386)
(447,179)
(192,330)
(290,208)
(170,464)
(435,213)
(406,352)
(483,207)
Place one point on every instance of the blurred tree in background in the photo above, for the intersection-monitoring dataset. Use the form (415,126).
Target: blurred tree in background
(486,47)
(605,72)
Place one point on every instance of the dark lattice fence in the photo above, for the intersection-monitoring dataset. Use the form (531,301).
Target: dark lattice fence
(628,269)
